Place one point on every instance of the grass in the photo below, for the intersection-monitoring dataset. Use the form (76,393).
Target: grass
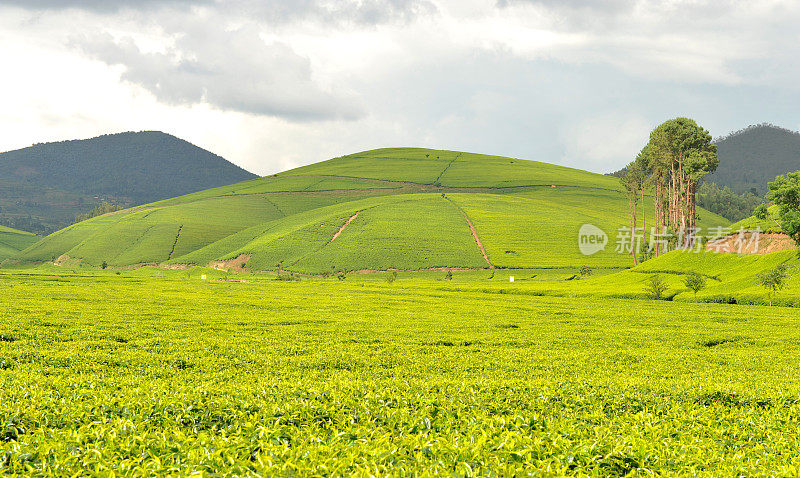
(137,374)
(414,203)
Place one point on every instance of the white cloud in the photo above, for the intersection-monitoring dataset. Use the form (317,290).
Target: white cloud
(272,84)
(231,70)
(598,143)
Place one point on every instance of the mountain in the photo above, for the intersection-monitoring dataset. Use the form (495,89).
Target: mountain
(399,208)
(44,186)
(752,157)
(12,241)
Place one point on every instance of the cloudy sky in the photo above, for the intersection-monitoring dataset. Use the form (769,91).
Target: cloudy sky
(274,84)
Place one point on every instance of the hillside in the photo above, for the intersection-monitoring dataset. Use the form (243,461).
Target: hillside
(12,241)
(43,187)
(401,208)
(752,157)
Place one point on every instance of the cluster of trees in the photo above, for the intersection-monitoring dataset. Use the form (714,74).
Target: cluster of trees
(103,208)
(678,155)
(785,193)
(727,203)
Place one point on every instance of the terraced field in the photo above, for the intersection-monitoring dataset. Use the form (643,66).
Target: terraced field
(408,209)
(12,241)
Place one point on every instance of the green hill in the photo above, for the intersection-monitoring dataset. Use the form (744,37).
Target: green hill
(12,241)
(43,187)
(771,223)
(400,208)
(754,156)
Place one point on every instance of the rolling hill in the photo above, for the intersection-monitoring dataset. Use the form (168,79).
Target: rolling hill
(752,157)
(400,208)
(43,187)
(12,241)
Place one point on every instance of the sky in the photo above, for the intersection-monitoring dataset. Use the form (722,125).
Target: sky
(271,84)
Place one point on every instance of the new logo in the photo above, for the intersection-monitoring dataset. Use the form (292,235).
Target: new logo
(591,239)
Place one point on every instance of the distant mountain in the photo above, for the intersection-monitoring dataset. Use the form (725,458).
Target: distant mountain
(44,186)
(752,157)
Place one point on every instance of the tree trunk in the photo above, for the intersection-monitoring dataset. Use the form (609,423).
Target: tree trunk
(644,220)
(632,214)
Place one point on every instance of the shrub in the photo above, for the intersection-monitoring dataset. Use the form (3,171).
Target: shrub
(695,282)
(761,211)
(656,287)
(774,279)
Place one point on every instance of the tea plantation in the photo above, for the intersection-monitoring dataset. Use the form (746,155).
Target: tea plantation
(146,372)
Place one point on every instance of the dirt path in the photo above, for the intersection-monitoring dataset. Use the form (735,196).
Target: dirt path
(439,177)
(474,232)
(478,241)
(341,229)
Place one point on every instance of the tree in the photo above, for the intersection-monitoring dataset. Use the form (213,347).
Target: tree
(633,183)
(695,282)
(679,153)
(785,192)
(774,279)
(585,271)
(103,208)
(656,286)
(761,211)
(449,275)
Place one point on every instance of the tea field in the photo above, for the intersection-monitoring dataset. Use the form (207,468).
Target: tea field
(159,372)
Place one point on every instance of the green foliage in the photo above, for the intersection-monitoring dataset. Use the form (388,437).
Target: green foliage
(585,271)
(448,275)
(761,212)
(785,193)
(774,280)
(103,208)
(656,287)
(768,221)
(175,376)
(695,282)
(726,203)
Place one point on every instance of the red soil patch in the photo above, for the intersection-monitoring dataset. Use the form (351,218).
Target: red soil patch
(748,244)
(235,264)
